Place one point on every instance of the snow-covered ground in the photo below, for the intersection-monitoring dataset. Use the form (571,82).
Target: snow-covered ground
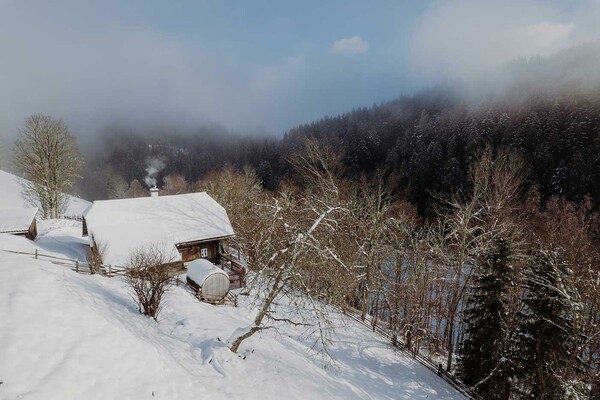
(65,335)
(10,195)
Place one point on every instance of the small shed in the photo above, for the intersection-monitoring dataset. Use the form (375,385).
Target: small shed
(19,221)
(211,281)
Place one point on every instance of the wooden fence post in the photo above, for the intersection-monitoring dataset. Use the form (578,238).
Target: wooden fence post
(109,270)
(36,256)
(76,265)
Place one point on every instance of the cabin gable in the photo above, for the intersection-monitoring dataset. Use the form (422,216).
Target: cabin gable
(19,222)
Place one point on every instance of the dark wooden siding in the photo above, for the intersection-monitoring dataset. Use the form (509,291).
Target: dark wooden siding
(193,251)
(32,232)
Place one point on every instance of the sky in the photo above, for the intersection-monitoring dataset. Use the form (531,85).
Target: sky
(260,66)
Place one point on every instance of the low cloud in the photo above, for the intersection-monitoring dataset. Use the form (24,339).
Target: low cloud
(351,45)
(100,69)
(462,38)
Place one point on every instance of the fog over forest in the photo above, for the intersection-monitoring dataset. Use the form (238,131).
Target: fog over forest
(387,136)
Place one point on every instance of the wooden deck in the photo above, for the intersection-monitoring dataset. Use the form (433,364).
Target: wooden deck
(235,269)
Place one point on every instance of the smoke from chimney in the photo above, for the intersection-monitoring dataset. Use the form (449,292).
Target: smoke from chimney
(155,165)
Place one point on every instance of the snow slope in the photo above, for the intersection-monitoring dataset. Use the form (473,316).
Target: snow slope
(65,335)
(10,195)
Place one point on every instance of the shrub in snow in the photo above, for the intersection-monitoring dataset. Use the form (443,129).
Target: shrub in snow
(148,275)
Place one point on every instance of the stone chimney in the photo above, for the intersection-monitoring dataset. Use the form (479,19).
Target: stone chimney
(154,191)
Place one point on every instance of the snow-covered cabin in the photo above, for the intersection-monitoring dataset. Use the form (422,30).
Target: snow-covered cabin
(184,227)
(19,221)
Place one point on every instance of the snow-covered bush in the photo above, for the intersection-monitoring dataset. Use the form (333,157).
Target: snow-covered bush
(149,276)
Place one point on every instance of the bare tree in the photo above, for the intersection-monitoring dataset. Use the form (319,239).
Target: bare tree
(286,254)
(149,276)
(136,189)
(291,246)
(49,159)
(371,213)
(175,184)
(407,281)
(239,192)
(117,187)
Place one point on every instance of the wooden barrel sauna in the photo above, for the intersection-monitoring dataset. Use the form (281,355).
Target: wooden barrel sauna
(211,281)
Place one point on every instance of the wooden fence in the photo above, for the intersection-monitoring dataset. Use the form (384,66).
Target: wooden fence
(82,267)
(72,217)
(237,274)
(394,341)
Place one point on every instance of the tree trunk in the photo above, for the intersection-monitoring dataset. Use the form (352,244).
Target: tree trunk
(275,289)
(450,344)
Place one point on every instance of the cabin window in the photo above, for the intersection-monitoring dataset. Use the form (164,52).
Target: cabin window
(204,252)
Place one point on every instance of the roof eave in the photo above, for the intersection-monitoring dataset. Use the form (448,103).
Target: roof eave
(204,240)
(18,231)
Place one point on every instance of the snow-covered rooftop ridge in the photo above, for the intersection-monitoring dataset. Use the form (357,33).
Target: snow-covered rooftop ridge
(15,220)
(11,195)
(122,226)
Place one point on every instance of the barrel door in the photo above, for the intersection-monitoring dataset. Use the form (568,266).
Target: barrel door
(215,287)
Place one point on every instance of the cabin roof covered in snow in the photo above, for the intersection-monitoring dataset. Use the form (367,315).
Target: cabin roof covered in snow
(125,225)
(15,220)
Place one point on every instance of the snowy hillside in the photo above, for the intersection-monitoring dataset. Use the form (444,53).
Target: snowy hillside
(10,195)
(65,335)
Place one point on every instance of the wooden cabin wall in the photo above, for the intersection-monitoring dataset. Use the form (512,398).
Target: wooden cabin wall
(32,231)
(193,251)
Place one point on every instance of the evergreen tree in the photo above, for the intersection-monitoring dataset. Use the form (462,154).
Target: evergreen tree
(265,174)
(548,334)
(483,361)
